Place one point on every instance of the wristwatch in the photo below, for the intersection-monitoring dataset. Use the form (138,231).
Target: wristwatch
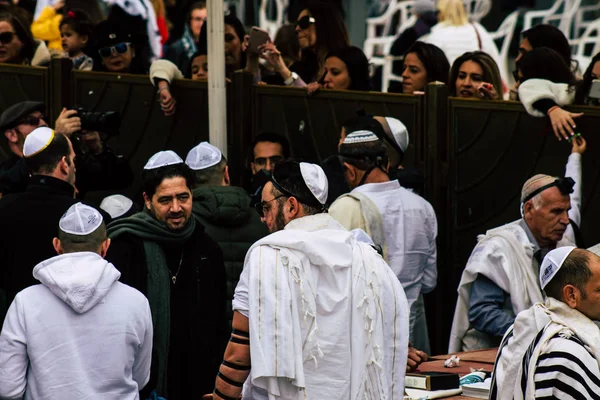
(291,79)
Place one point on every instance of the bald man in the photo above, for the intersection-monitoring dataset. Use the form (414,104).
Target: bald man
(501,276)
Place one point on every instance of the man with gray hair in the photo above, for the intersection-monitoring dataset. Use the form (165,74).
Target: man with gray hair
(501,276)
(224,211)
(80,333)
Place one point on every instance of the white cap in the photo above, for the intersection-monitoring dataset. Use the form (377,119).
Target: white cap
(116,205)
(37,141)
(316,180)
(203,156)
(399,132)
(162,159)
(360,137)
(552,263)
(80,220)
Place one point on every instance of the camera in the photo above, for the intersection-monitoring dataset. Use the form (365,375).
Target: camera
(107,122)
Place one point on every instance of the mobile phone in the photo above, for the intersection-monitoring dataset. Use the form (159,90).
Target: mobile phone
(595,89)
(258,37)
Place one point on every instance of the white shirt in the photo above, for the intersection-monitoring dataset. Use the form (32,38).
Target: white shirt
(410,232)
(79,335)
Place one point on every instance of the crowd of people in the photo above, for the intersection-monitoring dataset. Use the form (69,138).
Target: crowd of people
(309,283)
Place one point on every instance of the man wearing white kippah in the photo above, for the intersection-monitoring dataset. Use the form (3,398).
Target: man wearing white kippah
(402,223)
(80,333)
(553,349)
(500,278)
(164,253)
(317,314)
(29,218)
(224,211)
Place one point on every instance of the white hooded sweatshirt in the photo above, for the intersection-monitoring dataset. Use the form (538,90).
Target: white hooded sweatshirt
(81,334)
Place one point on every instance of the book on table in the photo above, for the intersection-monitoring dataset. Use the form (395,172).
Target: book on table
(478,390)
(432,380)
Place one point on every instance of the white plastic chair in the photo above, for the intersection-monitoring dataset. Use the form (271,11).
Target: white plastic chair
(564,18)
(581,23)
(272,25)
(378,44)
(505,33)
(387,75)
(588,45)
(477,9)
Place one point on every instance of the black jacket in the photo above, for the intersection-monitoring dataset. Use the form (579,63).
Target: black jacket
(199,331)
(28,223)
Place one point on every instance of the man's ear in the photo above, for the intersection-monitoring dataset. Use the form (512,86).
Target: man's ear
(57,246)
(11,135)
(226,179)
(147,200)
(571,296)
(252,168)
(64,166)
(104,247)
(528,208)
(294,207)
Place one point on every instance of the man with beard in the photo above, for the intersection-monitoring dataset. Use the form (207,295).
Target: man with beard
(164,253)
(319,314)
(501,277)
(29,219)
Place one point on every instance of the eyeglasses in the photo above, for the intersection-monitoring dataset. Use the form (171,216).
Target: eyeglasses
(118,48)
(6,37)
(31,120)
(262,161)
(261,207)
(305,22)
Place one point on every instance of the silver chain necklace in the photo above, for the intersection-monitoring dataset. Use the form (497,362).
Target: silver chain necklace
(174,277)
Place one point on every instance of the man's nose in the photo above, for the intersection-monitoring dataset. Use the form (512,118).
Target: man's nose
(175,206)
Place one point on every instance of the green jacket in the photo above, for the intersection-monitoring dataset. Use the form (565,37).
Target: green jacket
(230,221)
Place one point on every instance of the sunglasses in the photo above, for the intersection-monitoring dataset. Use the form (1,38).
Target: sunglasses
(261,207)
(6,37)
(31,120)
(305,22)
(119,48)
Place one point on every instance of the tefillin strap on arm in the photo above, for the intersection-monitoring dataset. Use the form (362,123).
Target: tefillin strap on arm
(565,185)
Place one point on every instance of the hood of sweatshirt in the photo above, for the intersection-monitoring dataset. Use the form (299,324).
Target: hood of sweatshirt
(81,279)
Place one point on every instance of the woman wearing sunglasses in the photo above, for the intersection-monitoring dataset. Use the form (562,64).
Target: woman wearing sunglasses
(320,29)
(17,46)
(116,50)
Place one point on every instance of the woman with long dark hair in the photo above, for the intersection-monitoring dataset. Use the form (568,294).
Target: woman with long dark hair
(423,63)
(17,45)
(475,75)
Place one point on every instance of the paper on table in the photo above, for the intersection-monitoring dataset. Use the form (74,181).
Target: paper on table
(433,394)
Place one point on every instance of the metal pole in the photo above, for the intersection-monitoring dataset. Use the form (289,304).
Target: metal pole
(217,101)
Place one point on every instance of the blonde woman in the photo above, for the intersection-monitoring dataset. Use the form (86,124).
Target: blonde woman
(455,35)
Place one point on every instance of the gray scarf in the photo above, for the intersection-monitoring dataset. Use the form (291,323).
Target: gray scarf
(155,235)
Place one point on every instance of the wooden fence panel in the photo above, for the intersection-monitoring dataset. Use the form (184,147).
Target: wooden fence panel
(144,128)
(312,124)
(19,84)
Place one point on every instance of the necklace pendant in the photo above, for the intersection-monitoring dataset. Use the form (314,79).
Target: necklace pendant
(174,279)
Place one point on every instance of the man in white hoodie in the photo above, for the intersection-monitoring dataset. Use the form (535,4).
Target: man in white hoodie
(80,333)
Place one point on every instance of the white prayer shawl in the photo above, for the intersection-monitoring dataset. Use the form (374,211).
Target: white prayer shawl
(519,348)
(504,255)
(339,328)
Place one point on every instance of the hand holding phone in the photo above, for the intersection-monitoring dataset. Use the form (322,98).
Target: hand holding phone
(258,37)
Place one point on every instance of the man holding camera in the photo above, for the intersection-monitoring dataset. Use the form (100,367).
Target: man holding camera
(98,167)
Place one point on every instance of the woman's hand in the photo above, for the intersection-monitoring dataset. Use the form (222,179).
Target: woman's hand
(487,92)
(579,144)
(313,87)
(269,52)
(166,100)
(562,122)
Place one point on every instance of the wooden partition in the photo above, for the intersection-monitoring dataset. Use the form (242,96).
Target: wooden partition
(19,84)
(313,123)
(145,129)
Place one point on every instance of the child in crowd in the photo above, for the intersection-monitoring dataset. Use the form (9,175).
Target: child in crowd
(76,34)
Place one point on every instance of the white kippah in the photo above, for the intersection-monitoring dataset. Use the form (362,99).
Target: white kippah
(37,141)
(552,263)
(203,156)
(399,132)
(316,180)
(116,205)
(162,159)
(360,137)
(80,220)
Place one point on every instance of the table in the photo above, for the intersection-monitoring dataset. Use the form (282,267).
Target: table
(477,359)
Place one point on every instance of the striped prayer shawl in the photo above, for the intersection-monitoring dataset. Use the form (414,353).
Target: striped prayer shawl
(567,370)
